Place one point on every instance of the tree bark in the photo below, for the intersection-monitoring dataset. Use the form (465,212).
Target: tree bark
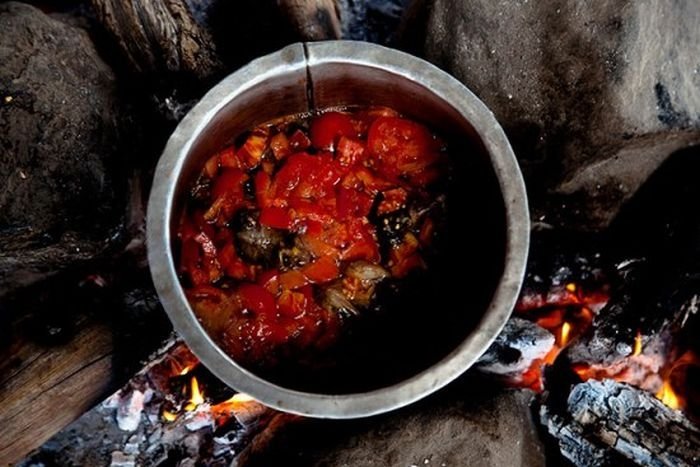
(159,36)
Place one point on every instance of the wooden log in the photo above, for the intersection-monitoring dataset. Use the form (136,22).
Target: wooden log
(313,20)
(43,389)
(159,36)
(610,423)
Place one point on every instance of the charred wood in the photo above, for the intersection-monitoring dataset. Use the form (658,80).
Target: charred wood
(609,423)
(516,349)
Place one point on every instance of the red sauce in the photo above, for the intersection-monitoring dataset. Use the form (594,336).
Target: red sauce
(288,234)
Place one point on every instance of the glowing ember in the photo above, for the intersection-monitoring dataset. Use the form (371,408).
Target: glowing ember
(668,396)
(571,287)
(169,416)
(637,344)
(565,330)
(240,398)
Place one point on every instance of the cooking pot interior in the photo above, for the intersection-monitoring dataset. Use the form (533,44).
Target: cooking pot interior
(440,308)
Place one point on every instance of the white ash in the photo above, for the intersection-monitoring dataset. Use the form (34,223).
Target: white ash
(129,411)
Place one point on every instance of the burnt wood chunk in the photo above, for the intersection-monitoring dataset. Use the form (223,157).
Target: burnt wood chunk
(607,423)
(516,348)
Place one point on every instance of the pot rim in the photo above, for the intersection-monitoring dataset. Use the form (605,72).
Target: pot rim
(305,56)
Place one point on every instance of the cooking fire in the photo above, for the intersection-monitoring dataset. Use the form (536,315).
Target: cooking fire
(476,230)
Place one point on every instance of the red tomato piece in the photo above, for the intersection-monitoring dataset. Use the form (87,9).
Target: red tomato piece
(393,200)
(228,158)
(400,146)
(293,279)
(233,265)
(328,127)
(363,242)
(371,182)
(270,280)
(349,151)
(306,176)
(291,304)
(277,218)
(299,141)
(306,210)
(353,203)
(228,195)
(256,299)
(318,247)
(322,270)
(229,183)
(263,189)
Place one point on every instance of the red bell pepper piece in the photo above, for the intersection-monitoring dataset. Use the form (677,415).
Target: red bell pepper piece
(228,158)
(328,127)
(263,189)
(277,218)
(257,300)
(324,269)
(292,279)
(299,141)
(349,151)
(353,203)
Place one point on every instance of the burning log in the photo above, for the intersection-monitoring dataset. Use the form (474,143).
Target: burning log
(522,345)
(171,412)
(653,311)
(610,423)
(564,289)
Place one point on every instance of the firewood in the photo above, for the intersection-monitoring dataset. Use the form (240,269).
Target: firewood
(159,36)
(610,423)
(50,388)
(313,20)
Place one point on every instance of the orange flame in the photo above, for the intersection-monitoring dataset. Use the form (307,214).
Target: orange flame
(637,344)
(571,287)
(196,395)
(668,396)
(240,398)
(565,331)
(169,416)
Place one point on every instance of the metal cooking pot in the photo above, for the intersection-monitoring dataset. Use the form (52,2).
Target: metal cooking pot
(490,198)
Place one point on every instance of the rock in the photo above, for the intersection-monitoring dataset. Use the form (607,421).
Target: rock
(59,127)
(485,430)
(592,95)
